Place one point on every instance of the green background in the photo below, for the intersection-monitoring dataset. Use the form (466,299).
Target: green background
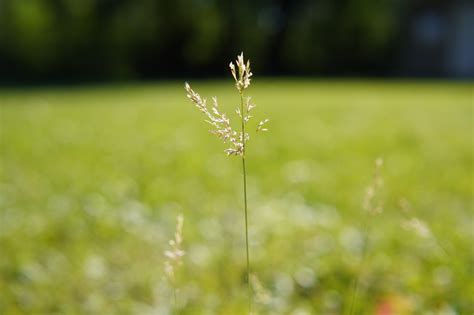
(92,179)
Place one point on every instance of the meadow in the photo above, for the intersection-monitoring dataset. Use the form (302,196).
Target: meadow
(93,178)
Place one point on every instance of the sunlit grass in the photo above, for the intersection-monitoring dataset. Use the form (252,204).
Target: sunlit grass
(92,180)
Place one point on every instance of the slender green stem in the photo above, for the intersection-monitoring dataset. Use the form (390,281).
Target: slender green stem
(363,263)
(175,302)
(175,308)
(356,284)
(247,237)
(245,203)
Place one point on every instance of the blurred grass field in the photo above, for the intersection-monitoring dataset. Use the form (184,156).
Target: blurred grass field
(92,179)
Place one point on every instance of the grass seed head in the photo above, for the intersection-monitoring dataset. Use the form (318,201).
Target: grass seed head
(370,203)
(418,226)
(175,254)
(219,120)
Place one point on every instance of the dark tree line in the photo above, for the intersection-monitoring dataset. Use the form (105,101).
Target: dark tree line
(55,40)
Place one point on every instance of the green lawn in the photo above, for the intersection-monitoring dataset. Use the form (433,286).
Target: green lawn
(92,180)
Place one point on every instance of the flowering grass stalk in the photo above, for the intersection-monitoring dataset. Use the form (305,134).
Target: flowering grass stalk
(372,205)
(174,257)
(237,140)
(421,228)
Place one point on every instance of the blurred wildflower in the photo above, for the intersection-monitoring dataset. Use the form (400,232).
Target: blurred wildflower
(369,203)
(418,226)
(305,277)
(394,305)
(412,223)
(175,254)
(94,267)
(262,295)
